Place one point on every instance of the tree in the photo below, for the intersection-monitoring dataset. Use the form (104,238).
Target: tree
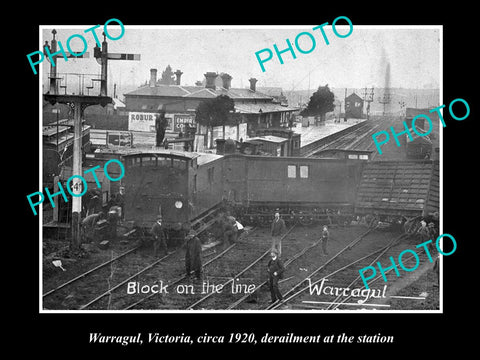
(215,112)
(320,103)
(167,76)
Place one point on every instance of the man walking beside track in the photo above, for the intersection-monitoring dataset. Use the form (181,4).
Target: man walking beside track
(159,237)
(325,235)
(275,270)
(193,255)
(278,229)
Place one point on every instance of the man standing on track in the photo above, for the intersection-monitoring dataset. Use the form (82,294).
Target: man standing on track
(278,229)
(275,270)
(193,254)
(229,230)
(325,235)
(159,238)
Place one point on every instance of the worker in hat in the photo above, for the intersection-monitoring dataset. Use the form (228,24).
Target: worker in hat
(159,237)
(325,236)
(278,228)
(89,226)
(230,230)
(275,270)
(423,231)
(193,254)
(432,235)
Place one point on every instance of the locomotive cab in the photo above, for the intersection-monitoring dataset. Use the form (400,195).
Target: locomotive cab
(158,183)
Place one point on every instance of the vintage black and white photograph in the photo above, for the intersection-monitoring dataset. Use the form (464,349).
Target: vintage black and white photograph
(241,168)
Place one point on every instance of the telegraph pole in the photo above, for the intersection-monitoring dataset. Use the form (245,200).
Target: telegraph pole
(385,99)
(368,98)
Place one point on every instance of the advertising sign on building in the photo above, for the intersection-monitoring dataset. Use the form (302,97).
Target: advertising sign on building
(141,121)
(183,120)
(145,121)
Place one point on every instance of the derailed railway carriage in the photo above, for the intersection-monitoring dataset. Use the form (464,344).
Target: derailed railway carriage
(182,187)
(178,186)
(187,188)
(306,190)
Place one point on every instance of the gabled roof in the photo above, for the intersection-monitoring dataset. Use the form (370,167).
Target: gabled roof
(354,97)
(261,108)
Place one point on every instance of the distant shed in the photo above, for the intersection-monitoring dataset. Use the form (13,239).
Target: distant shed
(273,145)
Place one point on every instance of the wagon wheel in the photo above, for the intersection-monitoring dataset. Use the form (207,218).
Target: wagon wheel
(264,220)
(264,210)
(305,219)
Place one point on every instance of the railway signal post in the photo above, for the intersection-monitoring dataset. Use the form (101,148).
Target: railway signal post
(368,98)
(54,54)
(102,55)
(77,104)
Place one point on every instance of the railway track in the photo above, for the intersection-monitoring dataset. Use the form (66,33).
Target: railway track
(343,302)
(358,139)
(254,269)
(294,290)
(79,287)
(219,275)
(345,140)
(234,277)
(311,293)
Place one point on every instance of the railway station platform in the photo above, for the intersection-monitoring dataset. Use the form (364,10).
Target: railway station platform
(313,135)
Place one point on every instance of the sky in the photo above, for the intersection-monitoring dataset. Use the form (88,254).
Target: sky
(356,61)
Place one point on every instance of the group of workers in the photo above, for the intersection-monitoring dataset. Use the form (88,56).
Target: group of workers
(102,221)
(227,230)
(275,267)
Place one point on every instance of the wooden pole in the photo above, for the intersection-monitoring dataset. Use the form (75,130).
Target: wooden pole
(76,183)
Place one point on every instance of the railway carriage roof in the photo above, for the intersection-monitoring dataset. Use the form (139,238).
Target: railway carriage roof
(202,158)
(168,152)
(269,138)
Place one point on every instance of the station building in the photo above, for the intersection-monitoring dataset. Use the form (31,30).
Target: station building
(253,109)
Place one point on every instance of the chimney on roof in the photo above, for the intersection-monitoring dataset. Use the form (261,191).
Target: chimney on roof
(210,79)
(153,77)
(253,84)
(226,80)
(178,75)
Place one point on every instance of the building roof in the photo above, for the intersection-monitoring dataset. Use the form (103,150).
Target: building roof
(354,97)
(199,92)
(268,138)
(262,107)
(271,90)
(50,130)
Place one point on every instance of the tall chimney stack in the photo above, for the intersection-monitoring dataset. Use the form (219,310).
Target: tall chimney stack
(226,80)
(153,77)
(253,84)
(178,75)
(210,79)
